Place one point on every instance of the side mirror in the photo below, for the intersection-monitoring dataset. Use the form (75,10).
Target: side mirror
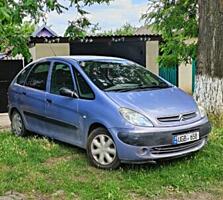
(68,93)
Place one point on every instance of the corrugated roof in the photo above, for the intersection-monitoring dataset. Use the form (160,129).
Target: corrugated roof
(112,38)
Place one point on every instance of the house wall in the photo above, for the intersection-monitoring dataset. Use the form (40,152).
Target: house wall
(185,77)
(49,49)
(152,53)
(32,51)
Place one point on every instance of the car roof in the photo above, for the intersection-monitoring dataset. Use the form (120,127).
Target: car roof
(84,58)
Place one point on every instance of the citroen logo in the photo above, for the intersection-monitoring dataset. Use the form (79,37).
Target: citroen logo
(181,118)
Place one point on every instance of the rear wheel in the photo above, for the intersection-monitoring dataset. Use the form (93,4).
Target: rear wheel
(101,149)
(17,124)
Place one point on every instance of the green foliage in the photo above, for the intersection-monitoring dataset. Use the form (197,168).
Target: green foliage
(80,28)
(216,119)
(39,168)
(177,22)
(17,19)
(14,38)
(125,30)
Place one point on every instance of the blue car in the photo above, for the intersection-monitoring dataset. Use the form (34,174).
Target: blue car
(114,108)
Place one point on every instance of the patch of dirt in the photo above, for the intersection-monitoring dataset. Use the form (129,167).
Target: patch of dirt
(38,196)
(58,195)
(12,195)
(80,178)
(194,196)
(56,160)
(4,129)
(4,168)
(134,196)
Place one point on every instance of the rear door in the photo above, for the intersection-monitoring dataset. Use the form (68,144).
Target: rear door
(62,112)
(34,98)
(16,89)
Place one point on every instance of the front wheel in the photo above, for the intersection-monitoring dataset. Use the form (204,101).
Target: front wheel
(101,149)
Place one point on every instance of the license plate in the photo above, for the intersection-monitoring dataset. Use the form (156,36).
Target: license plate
(187,137)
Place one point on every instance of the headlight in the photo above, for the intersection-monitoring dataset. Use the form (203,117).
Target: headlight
(135,118)
(202,111)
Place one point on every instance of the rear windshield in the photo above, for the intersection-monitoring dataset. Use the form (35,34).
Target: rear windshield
(121,76)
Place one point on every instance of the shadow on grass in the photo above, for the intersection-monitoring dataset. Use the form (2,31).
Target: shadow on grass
(62,144)
(124,166)
(159,164)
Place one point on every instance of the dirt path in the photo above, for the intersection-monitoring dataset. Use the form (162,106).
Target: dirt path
(11,195)
(4,121)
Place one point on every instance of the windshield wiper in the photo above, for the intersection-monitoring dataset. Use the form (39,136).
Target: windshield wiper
(118,89)
(154,86)
(143,87)
(139,87)
(122,88)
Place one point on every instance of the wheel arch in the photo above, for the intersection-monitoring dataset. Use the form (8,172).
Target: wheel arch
(94,126)
(13,109)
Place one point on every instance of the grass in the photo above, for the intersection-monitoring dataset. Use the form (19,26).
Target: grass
(43,169)
(216,119)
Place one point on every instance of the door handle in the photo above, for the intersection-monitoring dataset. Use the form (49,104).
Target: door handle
(49,100)
(24,93)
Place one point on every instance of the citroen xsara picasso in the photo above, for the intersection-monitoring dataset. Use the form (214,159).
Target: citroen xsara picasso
(114,108)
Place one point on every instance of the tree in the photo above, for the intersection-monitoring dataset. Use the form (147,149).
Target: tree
(177,22)
(126,29)
(209,80)
(14,39)
(80,28)
(17,19)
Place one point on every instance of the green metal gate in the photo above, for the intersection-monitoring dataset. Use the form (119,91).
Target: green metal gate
(170,74)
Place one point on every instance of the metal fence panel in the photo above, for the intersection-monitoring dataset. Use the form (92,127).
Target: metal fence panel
(8,70)
(170,74)
(135,51)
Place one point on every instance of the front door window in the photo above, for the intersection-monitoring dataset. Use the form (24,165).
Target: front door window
(61,78)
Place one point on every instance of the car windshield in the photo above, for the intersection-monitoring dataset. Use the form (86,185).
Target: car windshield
(121,76)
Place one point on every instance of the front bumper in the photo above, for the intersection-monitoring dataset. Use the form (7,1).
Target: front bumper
(146,144)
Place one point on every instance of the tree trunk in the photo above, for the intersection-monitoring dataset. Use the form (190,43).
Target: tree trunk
(209,78)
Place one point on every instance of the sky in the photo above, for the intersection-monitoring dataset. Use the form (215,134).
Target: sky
(109,17)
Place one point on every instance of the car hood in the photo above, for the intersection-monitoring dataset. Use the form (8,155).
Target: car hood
(156,102)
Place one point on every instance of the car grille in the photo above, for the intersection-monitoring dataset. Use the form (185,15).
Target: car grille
(178,118)
(175,148)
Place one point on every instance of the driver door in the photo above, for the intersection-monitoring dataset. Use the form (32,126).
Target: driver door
(61,111)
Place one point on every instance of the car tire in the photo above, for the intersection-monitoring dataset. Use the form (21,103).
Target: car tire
(101,149)
(17,124)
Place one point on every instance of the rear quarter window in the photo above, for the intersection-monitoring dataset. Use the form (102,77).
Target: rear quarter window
(37,78)
(23,75)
